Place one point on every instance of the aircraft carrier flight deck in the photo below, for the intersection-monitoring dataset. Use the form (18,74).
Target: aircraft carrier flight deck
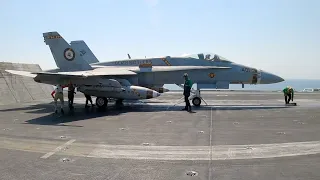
(238,135)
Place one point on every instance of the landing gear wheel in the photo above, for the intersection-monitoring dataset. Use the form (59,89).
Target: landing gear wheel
(196,101)
(101,102)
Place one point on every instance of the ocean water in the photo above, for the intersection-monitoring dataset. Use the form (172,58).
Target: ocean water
(297,84)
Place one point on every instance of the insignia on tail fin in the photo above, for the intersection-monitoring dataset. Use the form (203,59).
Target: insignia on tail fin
(66,58)
(69,54)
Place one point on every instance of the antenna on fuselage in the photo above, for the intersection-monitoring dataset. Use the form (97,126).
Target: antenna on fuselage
(129,56)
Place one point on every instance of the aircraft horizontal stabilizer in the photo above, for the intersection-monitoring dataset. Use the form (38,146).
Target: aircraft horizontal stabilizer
(21,73)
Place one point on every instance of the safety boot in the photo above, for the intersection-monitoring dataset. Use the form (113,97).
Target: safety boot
(189,108)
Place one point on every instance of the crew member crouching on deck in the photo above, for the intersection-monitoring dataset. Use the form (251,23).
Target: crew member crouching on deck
(288,94)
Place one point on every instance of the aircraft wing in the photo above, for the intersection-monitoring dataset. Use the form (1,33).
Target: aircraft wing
(183,68)
(108,84)
(149,68)
(79,74)
(120,71)
(114,71)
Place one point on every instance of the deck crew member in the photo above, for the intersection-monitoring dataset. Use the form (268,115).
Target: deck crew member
(186,92)
(71,92)
(58,94)
(288,94)
(88,98)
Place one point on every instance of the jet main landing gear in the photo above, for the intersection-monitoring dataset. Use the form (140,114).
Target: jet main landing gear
(101,102)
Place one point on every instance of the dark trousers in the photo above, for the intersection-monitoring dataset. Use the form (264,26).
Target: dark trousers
(186,99)
(287,98)
(70,99)
(88,98)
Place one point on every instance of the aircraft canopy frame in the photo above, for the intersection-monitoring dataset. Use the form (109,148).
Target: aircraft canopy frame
(208,56)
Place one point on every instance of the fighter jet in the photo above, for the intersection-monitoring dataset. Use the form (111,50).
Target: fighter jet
(117,82)
(232,73)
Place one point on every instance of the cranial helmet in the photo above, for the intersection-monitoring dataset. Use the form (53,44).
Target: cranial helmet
(185,75)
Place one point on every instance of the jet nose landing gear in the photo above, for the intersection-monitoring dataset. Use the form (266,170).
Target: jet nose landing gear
(196,98)
(196,101)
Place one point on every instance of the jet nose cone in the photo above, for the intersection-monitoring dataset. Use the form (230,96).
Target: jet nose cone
(155,94)
(165,90)
(269,78)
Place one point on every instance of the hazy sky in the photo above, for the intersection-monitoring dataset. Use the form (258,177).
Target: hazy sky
(280,36)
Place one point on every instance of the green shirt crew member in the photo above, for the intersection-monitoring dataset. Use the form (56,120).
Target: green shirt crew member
(186,91)
(288,93)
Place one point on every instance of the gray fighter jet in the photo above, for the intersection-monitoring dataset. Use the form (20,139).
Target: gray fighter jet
(117,82)
(227,73)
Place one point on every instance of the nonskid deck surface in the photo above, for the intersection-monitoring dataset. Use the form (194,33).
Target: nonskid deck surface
(238,135)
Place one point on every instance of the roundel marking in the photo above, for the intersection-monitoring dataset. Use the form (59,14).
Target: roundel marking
(211,75)
(69,54)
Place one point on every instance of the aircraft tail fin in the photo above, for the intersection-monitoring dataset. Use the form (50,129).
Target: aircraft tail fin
(67,58)
(85,51)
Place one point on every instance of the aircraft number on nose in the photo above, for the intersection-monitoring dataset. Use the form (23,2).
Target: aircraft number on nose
(249,70)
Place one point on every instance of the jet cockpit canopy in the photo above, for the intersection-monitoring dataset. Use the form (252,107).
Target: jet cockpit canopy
(208,56)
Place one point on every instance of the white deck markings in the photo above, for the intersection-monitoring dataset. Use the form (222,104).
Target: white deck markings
(223,152)
(58,149)
(210,144)
(173,153)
